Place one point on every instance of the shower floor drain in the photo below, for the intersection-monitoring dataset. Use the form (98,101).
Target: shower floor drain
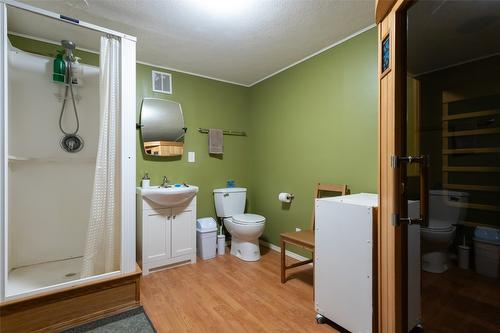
(70,274)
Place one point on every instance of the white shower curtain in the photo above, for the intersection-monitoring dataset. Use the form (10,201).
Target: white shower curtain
(102,250)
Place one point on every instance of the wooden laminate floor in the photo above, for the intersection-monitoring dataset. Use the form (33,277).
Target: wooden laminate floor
(460,301)
(226,294)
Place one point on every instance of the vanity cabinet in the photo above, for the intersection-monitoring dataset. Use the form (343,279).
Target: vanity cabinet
(166,237)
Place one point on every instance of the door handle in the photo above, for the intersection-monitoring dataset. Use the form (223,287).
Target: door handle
(423,162)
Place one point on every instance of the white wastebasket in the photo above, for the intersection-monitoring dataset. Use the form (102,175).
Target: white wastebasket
(487,251)
(206,238)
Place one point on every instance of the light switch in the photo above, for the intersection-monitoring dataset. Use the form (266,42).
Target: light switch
(191,157)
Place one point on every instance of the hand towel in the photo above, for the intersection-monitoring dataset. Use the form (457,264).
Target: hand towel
(215,141)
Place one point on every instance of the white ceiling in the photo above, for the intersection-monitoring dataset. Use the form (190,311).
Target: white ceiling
(243,41)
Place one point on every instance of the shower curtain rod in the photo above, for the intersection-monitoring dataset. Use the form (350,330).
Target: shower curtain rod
(66,19)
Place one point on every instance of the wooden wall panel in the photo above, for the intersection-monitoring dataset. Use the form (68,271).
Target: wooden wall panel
(392,98)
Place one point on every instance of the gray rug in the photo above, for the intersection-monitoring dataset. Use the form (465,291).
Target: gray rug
(132,321)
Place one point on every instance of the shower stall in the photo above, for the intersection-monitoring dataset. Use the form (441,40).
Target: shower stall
(67,171)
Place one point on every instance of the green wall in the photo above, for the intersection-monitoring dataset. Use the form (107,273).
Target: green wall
(315,122)
(207,104)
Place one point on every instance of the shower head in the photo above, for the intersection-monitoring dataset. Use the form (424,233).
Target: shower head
(68,44)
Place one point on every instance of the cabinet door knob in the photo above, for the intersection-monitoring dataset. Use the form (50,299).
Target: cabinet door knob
(174,216)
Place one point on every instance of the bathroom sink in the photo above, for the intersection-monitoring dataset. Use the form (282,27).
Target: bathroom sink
(169,196)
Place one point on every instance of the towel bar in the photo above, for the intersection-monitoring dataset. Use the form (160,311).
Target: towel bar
(225,132)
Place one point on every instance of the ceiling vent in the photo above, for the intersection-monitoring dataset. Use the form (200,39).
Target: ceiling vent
(162,82)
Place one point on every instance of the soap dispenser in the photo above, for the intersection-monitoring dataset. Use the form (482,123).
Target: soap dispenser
(59,68)
(145,182)
(77,70)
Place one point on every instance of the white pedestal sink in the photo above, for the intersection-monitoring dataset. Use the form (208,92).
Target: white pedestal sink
(166,227)
(169,196)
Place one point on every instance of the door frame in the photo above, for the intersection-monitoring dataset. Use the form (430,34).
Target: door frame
(392,243)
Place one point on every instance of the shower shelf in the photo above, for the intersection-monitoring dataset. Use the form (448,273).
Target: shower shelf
(22,159)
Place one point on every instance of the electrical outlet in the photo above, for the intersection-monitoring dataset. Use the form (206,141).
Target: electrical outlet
(298,229)
(191,157)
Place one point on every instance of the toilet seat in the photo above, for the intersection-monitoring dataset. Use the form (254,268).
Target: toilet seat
(438,229)
(248,219)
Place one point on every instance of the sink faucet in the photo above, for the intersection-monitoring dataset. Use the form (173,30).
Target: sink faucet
(165,181)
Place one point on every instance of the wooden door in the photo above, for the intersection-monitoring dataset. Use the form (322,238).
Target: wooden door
(183,231)
(158,229)
(392,274)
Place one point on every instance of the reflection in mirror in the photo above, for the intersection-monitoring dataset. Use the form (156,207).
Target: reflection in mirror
(162,127)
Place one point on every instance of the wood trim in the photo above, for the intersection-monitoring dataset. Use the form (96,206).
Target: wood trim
(488,150)
(468,115)
(471,169)
(482,131)
(382,8)
(466,187)
(469,92)
(476,224)
(491,208)
(392,272)
(69,307)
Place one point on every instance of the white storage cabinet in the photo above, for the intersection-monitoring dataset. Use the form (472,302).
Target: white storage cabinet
(345,253)
(166,237)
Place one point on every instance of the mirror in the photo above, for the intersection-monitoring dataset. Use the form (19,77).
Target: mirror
(162,127)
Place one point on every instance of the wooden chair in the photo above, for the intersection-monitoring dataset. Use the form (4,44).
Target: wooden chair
(305,238)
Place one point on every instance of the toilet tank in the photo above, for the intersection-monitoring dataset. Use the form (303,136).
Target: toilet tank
(230,201)
(443,207)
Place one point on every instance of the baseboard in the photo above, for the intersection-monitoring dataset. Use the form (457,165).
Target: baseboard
(287,252)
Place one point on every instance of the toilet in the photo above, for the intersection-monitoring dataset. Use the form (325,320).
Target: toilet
(245,229)
(444,213)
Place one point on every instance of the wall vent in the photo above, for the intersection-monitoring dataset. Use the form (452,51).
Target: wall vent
(162,82)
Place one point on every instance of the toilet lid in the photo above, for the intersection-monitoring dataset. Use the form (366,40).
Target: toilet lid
(248,218)
(439,229)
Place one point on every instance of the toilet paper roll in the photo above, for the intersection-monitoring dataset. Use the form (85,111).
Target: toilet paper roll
(285,197)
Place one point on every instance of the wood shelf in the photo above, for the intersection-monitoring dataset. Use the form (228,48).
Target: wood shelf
(471,169)
(488,150)
(477,224)
(482,131)
(469,205)
(469,115)
(466,187)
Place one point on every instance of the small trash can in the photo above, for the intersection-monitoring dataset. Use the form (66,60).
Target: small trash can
(487,251)
(206,238)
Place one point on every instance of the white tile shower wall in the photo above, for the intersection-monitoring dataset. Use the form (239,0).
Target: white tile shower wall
(50,191)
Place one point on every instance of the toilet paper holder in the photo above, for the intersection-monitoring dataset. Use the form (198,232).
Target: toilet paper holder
(286,196)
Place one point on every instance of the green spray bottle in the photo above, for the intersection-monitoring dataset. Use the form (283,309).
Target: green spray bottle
(59,71)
